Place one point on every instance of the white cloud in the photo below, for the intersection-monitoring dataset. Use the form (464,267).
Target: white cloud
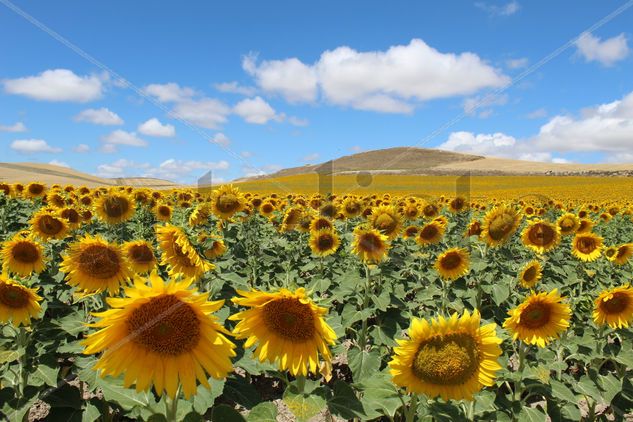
(33,146)
(311,157)
(481,105)
(56,85)
(58,163)
(297,121)
(169,92)
(290,78)
(121,168)
(504,10)
(101,116)
(606,52)
(255,110)
(517,63)
(206,112)
(81,148)
(480,144)
(17,127)
(121,137)
(260,171)
(178,170)
(539,113)
(153,127)
(220,139)
(235,88)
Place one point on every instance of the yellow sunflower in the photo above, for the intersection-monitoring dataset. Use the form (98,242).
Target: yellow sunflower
(179,254)
(614,307)
(200,214)
(387,220)
(530,274)
(369,244)
(587,246)
(411,232)
(23,256)
(622,254)
(288,328)
(499,225)
(568,223)
(213,245)
(291,220)
(35,190)
(541,236)
(49,225)
(18,303)
(163,212)
(585,226)
(163,335)
(430,210)
(457,204)
(72,217)
(115,207)
(267,208)
(227,201)
(430,234)
(474,229)
(140,256)
(453,263)
(541,318)
(324,242)
(94,265)
(453,358)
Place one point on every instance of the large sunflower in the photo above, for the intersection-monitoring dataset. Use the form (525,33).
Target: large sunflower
(18,303)
(587,246)
(94,265)
(227,201)
(23,256)
(614,307)
(140,256)
(430,234)
(499,225)
(541,236)
(387,220)
(162,335)
(452,358)
(369,244)
(288,327)
(179,255)
(539,319)
(530,274)
(453,263)
(115,207)
(324,242)
(568,223)
(49,225)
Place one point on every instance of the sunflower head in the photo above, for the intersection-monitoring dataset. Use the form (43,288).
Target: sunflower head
(499,225)
(291,219)
(23,256)
(614,307)
(140,256)
(430,234)
(453,263)
(387,220)
(18,304)
(213,245)
(568,223)
(585,226)
(541,236)
(179,255)
(369,244)
(457,204)
(35,190)
(430,210)
(324,242)
(623,254)
(49,225)
(320,223)
(530,274)
(351,207)
(163,211)
(587,246)
(227,201)
(115,207)
(474,229)
(411,232)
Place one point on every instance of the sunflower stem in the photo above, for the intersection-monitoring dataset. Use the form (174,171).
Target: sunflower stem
(171,407)
(363,334)
(22,341)
(413,407)
(301,383)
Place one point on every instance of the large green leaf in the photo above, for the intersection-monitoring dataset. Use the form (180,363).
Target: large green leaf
(363,364)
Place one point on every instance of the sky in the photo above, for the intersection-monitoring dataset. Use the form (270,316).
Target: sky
(175,89)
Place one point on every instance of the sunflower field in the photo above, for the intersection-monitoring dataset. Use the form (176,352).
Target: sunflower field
(227,305)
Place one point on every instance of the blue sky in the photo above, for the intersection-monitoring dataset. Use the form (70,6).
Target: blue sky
(248,87)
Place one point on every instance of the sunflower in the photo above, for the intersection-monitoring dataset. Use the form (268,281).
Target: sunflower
(200,215)
(568,223)
(530,274)
(541,236)
(140,256)
(35,190)
(291,219)
(623,254)
(320,223)
(369,244)
(453,263)
(49,225)
(351,207)
(585,226)
(161,335)
(474,229)
(452,358)
(441,219)
(115,207)
(411,211)
(411,232)
(324,242)
(179,255)
(539,319)
(18,303)
(614,307)
(213,246)
(587,246)
(430,210)
(288,327)
(386,219)
(6,189)
(457,204)
(72,217)
(23,256)
(267,208)
(94,265)
(227,201)
(163,212)
(430,234)
(499,225)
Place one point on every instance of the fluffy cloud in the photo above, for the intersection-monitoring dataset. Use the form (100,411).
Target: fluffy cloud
(206,112)
(220,139)
(33,146)
(101,116)
(386,81)
(479,144)
(56,85)
(169,92)
(502,10)
(172,169)
(235,88)
(121,137)
(153,127)
(59,163)
(121,168)
(255,110)
(606,52)
(17,127)
(81,148)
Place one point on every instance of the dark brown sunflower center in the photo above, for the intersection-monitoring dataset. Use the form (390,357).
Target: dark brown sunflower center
(322,223)
(290,319)
(616,304)
(530,274)
(451,359)
(141,254)
(325,241)
(474,229)
(36,189)
(457,204)
(267,208)
(500,226)
(227,202)
(411,231)
(451,261)
(369,242)
(535,315)
(164,211)
(429,232)
(13,296)
(541,234)
(328,210)
(430,210)
(25,252)
(386,223)
(115,206)
(165,325)
(99,262)
(50,225)
(71,215)
(610,252)
(586,245)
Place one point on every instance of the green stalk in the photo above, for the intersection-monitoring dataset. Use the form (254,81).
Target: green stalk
(413,408)
(518,387)
(171,407)
(363,333)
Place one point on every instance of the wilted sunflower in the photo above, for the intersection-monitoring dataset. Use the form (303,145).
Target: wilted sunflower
(227,201)
(430,234)
(115,207)
(179,254)
(539,319)
(387,220)
(499,225)
(140,256)
(49,225)
(324,242)
(288,328)
(614,307)
(161,335)
(541,236)
(530,274)
(587,246)
(22,255)
(622,254)
(569,223)
(369,244)
(453,263)
(163,212)
(452,358)
(18,304)
(94,265)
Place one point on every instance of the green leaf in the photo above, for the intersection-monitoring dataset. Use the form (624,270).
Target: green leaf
(303,406)
(529,414)
(344,403)
(500,292)
(241,392)
(73,324)
(561,391)
(64,396)
(91,413)
(204,398)
(363,364)
(225,413)
(127,398)
(263,412)
(611,386)
(380,395)
(8,356)
(46,374)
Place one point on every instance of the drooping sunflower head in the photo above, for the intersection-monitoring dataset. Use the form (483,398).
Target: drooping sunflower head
(291,219)
(541,318)
(324,242)
(623,254)
(452,358)
(530,274)
(94,265)
(585,226)
(179,255)
(541,236)
(18,304)
(23,256)
(614,307)
(453,263)
(587,246)
(200,214)
(568,223)
(227,201)
(288,328)
(115,207)
(369,244)
(387,220)
(163,211)
(140,256)
(499,225)
(172,327)
(49,225)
